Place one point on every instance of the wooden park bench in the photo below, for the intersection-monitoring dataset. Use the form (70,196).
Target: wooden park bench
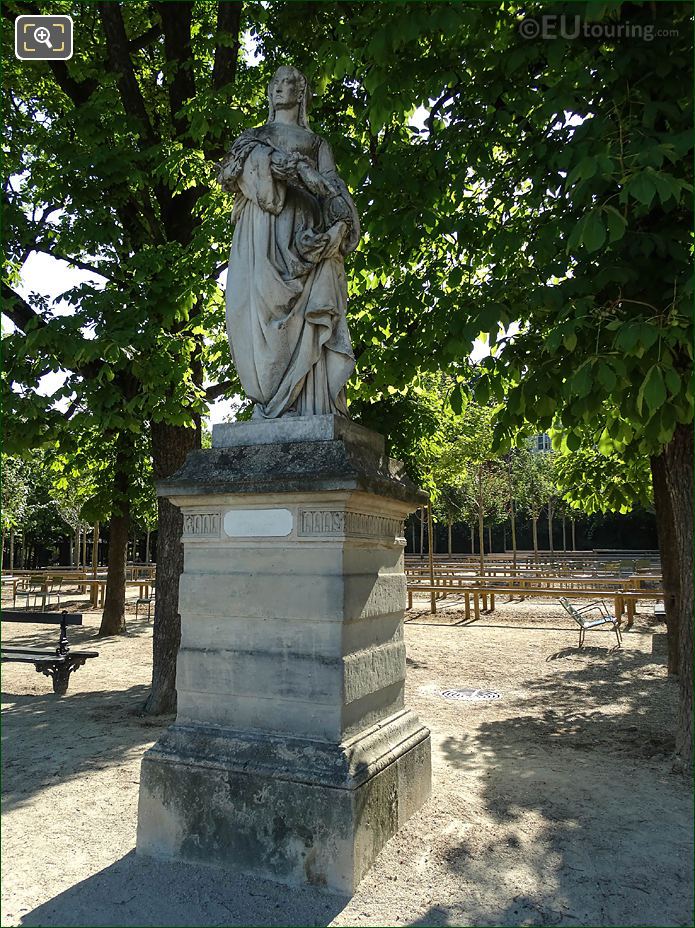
(484,589)
(57,663)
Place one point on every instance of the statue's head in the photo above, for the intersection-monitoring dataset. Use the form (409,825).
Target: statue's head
(289,88)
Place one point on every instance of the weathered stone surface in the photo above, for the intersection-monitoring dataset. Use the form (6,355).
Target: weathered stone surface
(292,753)
(352,459)
(289,809)
(294,429)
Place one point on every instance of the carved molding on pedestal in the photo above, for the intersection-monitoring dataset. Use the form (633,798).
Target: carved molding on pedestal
(201,525)
(337,522)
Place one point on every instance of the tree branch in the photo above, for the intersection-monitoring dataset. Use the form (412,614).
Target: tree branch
(72,408)
(442,101)
(148,36)
(78,91)
(214,393)
(176,23)
(84,265)
(226,51)
(22,315)
(19,311)
(226,62)
(121,65)
(39,226)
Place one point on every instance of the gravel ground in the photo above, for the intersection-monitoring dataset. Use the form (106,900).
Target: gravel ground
(552,805)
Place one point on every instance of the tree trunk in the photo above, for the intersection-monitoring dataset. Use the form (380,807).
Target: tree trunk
(84,547)
(170,446)
(513,513)
(77,546)
(430,553)
(534,520)
(11,550)
(504,538)
(574,538)
(481,527)
(665,531)
(551,547)
(2,558)
(472,538)
(422,533)
(564,534)
(678,459)
(113,619)
(147,547)
(449,538)
(489,539)
(95,563)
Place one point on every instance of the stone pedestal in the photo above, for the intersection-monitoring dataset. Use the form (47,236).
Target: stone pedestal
(292,756)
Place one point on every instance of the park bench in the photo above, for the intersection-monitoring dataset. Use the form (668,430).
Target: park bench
(624,600)
(37,587)
(581,615)
(57,663)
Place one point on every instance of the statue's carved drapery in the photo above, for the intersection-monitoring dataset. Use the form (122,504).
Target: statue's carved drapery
(286,287)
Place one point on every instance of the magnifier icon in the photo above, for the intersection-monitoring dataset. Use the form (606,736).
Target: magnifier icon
(42,35)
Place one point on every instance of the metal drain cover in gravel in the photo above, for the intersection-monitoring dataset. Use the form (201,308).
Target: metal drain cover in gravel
(471,695)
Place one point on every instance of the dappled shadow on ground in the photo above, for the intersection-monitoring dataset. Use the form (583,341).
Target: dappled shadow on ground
(142,891)
(584,810)
(587,651)
(47,739)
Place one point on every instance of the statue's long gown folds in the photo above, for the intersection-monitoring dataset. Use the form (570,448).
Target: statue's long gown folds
(286,287)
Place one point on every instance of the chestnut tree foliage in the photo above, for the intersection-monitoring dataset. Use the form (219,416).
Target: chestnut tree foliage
(501,180)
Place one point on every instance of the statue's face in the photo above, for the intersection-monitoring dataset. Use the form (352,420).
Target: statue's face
(285,90)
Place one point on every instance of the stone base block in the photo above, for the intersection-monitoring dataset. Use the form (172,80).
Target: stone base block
(290,809)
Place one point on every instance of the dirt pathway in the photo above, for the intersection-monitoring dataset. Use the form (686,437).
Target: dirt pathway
(552,805)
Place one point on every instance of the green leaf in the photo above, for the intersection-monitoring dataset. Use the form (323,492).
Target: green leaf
(673,381)
(582,171)
(573,441)
(482,391)
(605,443)
(594,234)
(642,188)
(616,224)
(581,381)
(652,391)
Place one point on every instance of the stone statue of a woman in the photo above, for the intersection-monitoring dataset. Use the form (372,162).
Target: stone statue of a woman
(286,287)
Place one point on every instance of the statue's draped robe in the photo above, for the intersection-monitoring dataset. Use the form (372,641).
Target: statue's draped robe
(286,286)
